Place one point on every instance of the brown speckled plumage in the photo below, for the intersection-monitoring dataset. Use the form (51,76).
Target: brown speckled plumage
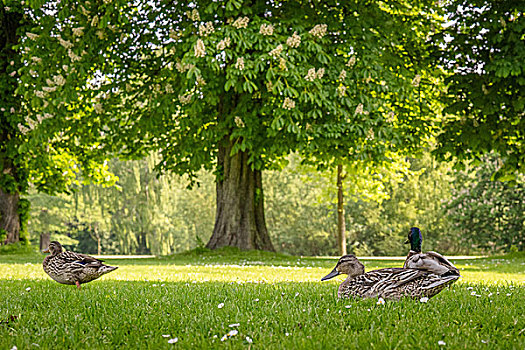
(72,268)
(391,283)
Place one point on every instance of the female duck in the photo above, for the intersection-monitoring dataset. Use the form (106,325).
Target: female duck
(429,261)
(72,268)
(391,283)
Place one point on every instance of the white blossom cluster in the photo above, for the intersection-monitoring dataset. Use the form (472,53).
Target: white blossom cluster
(312,74)
(183,67)
(351,62)
(65,43)
(282,64)
(48,89)
(169,88)
(341,90)
(206,29)
(294,40)
(319,30)
(200,50)
(94,21)
(193,15)
(241,22)
(174,34)
(359,109)
(32,36)
(240,63)
(73,56)
(224,43)
(84,11)
(78,31)
(98,108)
(342,75)
(266,29)
(288,103)
(185,99)
(416,80)
(239,122)
(101,35)
(36,59)
(277,51)
(200,81)
(59,80)
(269,86)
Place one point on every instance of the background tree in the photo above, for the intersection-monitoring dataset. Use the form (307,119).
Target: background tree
(483,45)
(252,81)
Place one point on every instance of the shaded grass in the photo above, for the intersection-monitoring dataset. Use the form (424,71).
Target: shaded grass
(277,300)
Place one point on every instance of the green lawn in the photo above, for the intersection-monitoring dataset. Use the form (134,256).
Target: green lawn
(272,301)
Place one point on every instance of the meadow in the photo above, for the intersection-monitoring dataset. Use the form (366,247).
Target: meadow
(232,299)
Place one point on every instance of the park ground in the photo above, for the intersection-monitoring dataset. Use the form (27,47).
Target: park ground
(232,299)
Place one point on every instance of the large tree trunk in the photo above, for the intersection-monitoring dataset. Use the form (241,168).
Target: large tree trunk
(341,227)
(9,217)
(239,220)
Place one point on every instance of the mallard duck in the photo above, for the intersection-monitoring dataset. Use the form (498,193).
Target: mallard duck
(391,283)
(72,268)
(429,261)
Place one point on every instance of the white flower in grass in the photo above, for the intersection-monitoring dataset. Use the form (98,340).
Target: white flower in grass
(294,40)
(441,343)
(220,306)
(173,340)
(249,340)
(348,306)
(14,347)
(470,288)
(28,289)
(319,30)
(234,325)
(165,335)
(200,49)
(287,334)
(224,337)
(232,333)
(424,299)
(380,301)
(256,300)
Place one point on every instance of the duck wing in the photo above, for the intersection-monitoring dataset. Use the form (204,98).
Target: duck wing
(79,259)
(431,262)
(386,281)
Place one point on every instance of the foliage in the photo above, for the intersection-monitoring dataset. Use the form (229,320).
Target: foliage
(484,46)
(488,214)
(277,305)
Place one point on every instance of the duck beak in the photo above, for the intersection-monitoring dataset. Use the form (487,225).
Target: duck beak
(331,275)
(46,251)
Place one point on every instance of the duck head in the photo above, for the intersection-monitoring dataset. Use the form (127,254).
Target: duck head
(415,239)
(347,264)
(54,248)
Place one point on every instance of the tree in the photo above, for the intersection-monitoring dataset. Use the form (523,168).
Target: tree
(231,86)
(483,46)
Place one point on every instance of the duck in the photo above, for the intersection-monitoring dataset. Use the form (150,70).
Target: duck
(67,267)
(390,283)
(429,261)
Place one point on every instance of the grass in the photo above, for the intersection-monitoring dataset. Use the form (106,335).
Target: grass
(277,300)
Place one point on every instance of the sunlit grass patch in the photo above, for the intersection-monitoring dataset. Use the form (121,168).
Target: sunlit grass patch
(262,302)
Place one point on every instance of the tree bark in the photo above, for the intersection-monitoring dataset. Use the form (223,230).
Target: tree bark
(45,239)
(239,219)
(341,226)
(9,217)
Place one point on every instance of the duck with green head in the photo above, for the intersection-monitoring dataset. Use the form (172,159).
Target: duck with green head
(72,268)
(429,261)
(390,283)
